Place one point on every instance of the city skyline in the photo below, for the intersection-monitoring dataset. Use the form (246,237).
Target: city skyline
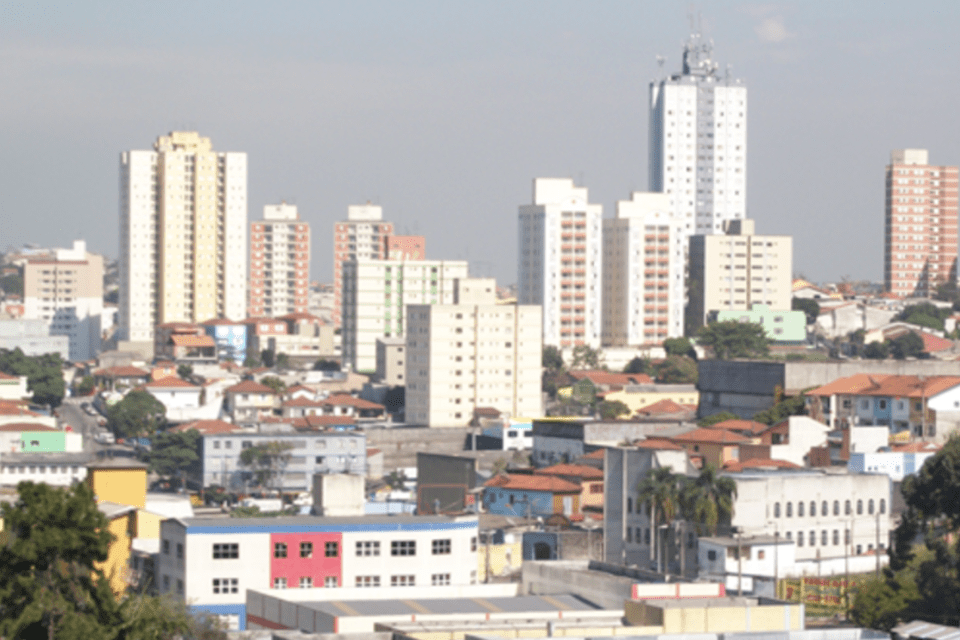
(430,111)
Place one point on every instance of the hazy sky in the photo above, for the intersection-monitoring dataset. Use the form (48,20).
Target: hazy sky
(444,112)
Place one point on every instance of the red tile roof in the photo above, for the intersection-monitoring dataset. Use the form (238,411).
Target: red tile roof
(219,321)
(741,426)
(298,387)
(916,447)
(758,463)
(193,341)
(302,402)
(886,385)
(665,407)
(25,426)
(518,482)
(346,400)
(170,382)
(714,436)
(595,455)
(933,344)
(13,409)
(658,444)
(579,470)
(300,315)
(599,377)
(5,376)
(249,386)
(209,427)
(122,372)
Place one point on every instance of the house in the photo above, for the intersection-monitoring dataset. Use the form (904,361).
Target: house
(306,340)
(249,401)
(174,393)
(781,326)
(300,407)
(120,377)
(208,427)
(13,387)
(565,440)
(789,440)
(532,496)
(341,404)
(184,343)
(715,446)
(589,478)
(668,409)
(638,396)
(726,559)
(898,463)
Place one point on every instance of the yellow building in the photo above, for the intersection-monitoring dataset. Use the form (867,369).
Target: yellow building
(499,559)
(639,396)
(119,480)
(715,615)
(120,518)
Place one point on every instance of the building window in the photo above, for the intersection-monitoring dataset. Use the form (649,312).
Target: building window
(280,550)
(846,536)
(870,506)
(776,509)
(306,582)
(711,555)
(440,580)
(179,550)
(403,548)
(836,507)
(330,582)
(859,507)
(813,538)
(369,548)
(789,509)
(883,505)
(813,508)
(403,581)
(166,583)
(836,537)
(441,547)
(226,551)
(279,583)
(823,538)
(846,508)
(225,585)
(800,538)
(331,549)
(180,587)
(306,549)
(799,509)
(367,581)
(473,543)
(166,547)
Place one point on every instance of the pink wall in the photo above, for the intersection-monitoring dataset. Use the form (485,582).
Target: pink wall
(318,566)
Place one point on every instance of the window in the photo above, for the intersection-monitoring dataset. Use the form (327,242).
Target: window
(824,508)
(225,585)
(799,509)
(403,548)
(870,506)
(836,537)
(306,549)
(226,551)
(280,550)
(367,581)
(166,547)
(836,507)
(180,550)
(846,508)
(306,582)
(883,505)
(761,554)
(776,509)
(371,548)
(180,587)
(711,555)
(331,549)
(813,538)
(473,543)
(403,581)
(859,507)
(166,583)
(330,582)
(441,547)
(440,579)
(823,538)
(280,583)
(846,536)
(813,508)
(789,509)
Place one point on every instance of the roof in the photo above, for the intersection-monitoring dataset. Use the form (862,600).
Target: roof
(595,455)
(933,344)
(37,457)
(298,387)
(658,444)
(579,470)
(193,341)
(249,386)
(125,371)
(487,412)
(886,385)
(219,321)
(314,422)
(5,376)
(170,382)
(759,463)
(14,409)
(665,406)
(332,523)
(749,426)
(302,402)
(117,463)
(519,482)
(114,510)
(179,326)
(343,399)
(208,427)
(300,315)
(714,436)
(25,426)
(607,378)
(419,609)
(916,447)
(924,630)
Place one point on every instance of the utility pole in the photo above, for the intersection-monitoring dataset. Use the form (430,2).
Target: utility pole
(739,565)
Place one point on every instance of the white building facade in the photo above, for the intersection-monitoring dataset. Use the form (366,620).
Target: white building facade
(279,262)
(376,294)
(362,236)
(183,235)
(473,353)
(560,265)
(698,141)
(643,272)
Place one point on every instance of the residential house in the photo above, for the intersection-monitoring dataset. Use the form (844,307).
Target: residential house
(18,412)
(184,343)
(589,478)
(532,496)
(638,396)
(208,427)
(897,463)
(714,447)
(230,338)
(341,404)
(120,377)
(790,440)
(249,401)
(13,387)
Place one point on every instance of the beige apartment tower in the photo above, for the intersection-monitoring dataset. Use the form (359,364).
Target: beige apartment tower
(472,353)
(738,270)
(920,239)
(362,236)
(183,235)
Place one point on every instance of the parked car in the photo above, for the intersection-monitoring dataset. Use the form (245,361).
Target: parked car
(105,437)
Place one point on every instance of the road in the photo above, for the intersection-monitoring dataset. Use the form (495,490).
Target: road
(71,413)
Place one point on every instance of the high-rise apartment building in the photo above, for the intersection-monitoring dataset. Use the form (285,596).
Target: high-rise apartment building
(559,262)
(738,270)
(362,236)
(643,272)
(183,235)
(376,294)
(698,141)
(65,290)
(279,263)
(472,353)
(920,241)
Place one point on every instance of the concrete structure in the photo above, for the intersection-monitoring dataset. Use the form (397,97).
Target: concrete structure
(338,494)
(230,338)
(184,343)
(444,483)
(211,563)
(895,464)
(65,290)
(717,615)
(391,361)
(472,353)
(780,326)
(362,236)
(558,440)
(375,296)
(737,270)
(307,454)
(279,262)
(638,396)
(406,248)
(920,231)
(13,387)
(183,235)
(33,338)
(55,469)
(698,141)
(643,272)
(560,262)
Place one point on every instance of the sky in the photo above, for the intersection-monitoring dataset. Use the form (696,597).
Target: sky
(444,112)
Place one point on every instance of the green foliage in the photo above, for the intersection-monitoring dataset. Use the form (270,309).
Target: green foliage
(283,361)
(275,383)
(267,461)
(612,409)
(880,603)
(677,370)
(660,488)
(717,417)
(397,479)
(809,307)
(795,406)
(164,618)
(639,365)
(732,339)
(173,453)
(395,398)
(678,347)
(585,357)
(86,386)
(12,284)
(924,314)
(268,358)
(44,374)
(707,500)
(184,371)
(876,351)
(909,345)
(139,414)
(552,358)
(324,364)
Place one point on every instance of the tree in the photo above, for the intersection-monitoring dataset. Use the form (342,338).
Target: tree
(12,284)
(717,417)
(283,361)
(138,415)
(173,453)
(267,461)
(795,406)
(585,357)
(552,359)
(678,347)
(268,358)
(876,351)
(184,371)
(732,339)
(612,409)
(44,374)
(909,345)
(639,365)
(395,399)
(809,307)
(708,500)
(677,370)
(925,314)
(324,364)
(275,383)
(660,489)
(86,386)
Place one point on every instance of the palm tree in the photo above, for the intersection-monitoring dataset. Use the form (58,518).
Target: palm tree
(660,488)
(708,500)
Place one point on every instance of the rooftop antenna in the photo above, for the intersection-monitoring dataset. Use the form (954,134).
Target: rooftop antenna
(661,60)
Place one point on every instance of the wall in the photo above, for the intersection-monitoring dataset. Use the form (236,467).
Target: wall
(552,577)
(118,554)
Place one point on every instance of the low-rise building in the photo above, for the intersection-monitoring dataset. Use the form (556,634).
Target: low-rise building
(249,401)
(780,325)
(13,387)
(33,337)
(638,396)
(391,361)
(902,461)
(532,496)
(230,338)
(184,343)
(55,469)
(589,478)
